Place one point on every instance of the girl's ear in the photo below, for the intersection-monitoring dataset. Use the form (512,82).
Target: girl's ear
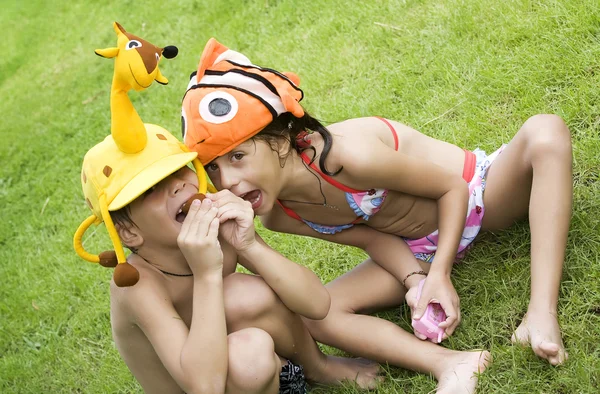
(130,235)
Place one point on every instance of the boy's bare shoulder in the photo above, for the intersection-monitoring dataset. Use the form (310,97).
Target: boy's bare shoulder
(127,300)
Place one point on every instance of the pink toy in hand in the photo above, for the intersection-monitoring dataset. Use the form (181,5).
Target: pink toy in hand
(429,322)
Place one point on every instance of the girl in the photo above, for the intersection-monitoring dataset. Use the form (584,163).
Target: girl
(342,182)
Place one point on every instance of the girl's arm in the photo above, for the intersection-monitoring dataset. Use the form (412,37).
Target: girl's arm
(386,250)
(377,165)
(297,286)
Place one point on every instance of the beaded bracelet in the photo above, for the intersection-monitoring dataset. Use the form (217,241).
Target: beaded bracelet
(411,274)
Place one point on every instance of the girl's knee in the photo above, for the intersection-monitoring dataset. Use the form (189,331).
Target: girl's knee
(547,135)
(253,364)
(246,297)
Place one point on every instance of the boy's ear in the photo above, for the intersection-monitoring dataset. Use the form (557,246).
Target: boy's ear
(130,235)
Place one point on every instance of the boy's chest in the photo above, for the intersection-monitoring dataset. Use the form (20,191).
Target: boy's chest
(182,294)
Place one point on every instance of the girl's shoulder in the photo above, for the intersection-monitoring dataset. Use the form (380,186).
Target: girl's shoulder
(355,136)
(366,130)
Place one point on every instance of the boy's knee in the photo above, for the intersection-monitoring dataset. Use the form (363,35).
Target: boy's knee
(253,364)
(547,135)
(247,297)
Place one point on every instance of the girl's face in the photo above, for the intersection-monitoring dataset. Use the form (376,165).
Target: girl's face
(251,171)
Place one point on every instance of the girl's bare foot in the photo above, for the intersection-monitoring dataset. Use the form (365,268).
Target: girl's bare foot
(542,332)
(337,370)
(460,377)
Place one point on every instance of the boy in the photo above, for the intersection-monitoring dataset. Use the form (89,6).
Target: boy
(177,297)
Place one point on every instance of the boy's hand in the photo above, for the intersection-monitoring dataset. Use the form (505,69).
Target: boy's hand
(198,238)
(237,219)
(439,288)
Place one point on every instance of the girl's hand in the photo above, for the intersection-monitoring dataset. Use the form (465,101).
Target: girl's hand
(198,238)
(237,219)
(411,301)
(439,288)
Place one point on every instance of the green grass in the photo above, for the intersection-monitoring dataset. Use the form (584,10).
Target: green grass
(466,71)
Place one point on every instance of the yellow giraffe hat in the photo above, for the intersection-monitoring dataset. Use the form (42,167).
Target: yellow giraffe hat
(135,157)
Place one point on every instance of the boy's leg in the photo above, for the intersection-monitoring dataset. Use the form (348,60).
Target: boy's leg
(253,364)
(250,302)
(368,288)
(534,175)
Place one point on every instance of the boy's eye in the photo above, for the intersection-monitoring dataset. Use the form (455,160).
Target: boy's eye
(237,156)
(149,191)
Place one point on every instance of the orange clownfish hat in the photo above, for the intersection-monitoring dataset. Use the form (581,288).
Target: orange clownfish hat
(229,100)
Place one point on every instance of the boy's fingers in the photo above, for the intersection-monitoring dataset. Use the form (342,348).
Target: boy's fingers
(213,228)
(204,222)
(198,218)
(185,227)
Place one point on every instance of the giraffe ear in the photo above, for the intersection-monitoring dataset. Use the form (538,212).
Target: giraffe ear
(161,78)
(107,52)
(118,28)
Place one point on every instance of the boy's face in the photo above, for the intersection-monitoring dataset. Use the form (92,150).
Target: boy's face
(251,171)
(157,213)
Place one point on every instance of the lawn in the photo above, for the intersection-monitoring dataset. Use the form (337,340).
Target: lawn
(466,71)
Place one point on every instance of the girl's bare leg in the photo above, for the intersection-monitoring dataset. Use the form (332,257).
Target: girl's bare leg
(250,302)
(534,175)
(368,288)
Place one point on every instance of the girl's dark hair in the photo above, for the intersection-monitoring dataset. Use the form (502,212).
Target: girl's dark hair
(288,126)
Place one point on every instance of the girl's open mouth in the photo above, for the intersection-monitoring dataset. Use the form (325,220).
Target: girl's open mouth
(255,198)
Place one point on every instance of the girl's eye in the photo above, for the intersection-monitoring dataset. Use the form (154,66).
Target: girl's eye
(211,167)
(238,156)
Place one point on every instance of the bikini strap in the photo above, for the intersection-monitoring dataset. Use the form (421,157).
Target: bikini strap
(290,212)
(327,177)
(333,181)
(392,129)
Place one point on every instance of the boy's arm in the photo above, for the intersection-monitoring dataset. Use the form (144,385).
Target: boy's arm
(297,286)
(196,358)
